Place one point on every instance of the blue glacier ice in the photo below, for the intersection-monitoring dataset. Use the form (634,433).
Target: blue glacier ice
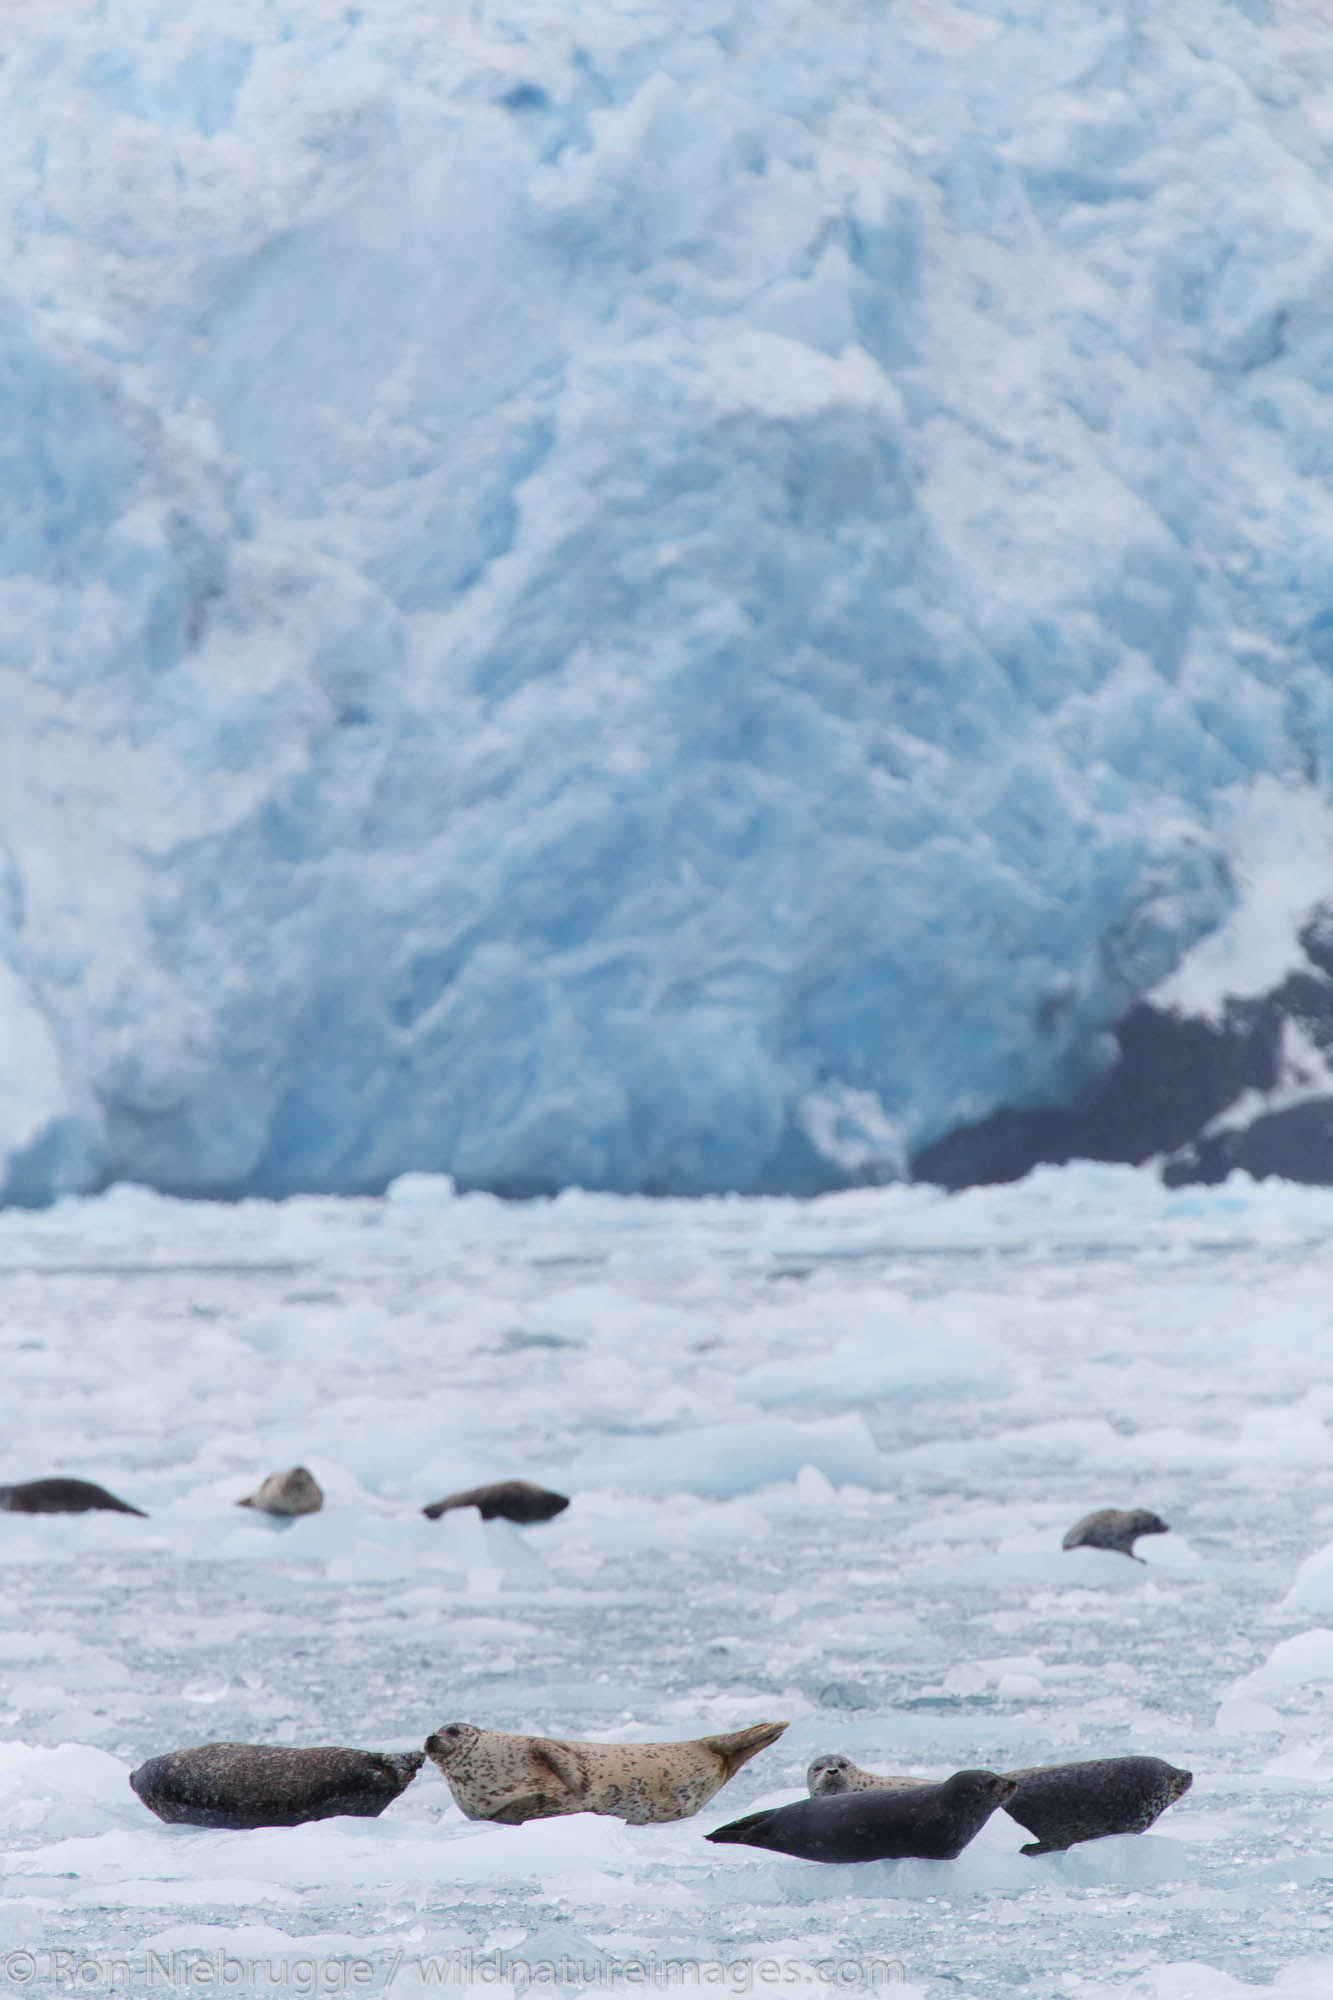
(669,599)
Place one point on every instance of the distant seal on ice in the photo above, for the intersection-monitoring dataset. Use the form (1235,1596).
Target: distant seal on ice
(295,1491)
(63,1496)
(930,1822)
(516,1778)
(509,1500)
(1065,1803)
(258,1784)
(828,1776)
(1115,1528)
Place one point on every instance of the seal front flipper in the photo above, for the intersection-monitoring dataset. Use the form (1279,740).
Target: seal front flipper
(558,1761)
(515,1807)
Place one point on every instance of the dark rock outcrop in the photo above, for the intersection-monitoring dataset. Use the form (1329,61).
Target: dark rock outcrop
(1252,1088)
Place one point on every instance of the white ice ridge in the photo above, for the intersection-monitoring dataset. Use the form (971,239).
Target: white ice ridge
(673,599)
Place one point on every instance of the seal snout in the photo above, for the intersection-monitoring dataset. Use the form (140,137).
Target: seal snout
(1181,1782)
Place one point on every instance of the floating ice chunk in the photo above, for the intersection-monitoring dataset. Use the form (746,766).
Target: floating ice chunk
(1312,1589)
(1304,1660)
(725,1459)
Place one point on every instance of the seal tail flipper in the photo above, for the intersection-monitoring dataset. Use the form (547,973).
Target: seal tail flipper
(742,1832)
(436,1508)
(740,1745)
(124,1507)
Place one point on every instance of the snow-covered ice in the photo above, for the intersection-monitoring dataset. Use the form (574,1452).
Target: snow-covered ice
(821,1458)
(659,598)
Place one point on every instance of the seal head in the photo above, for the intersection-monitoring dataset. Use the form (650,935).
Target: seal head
(1115,1528)
(830,1775)
(931,1822)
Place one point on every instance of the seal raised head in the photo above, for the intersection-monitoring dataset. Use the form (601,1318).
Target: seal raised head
(261,1784)
(516,1778)
(1065,1803)
(508,1500)
(62,1496)
(295,1491)
(832,1774)
(931,1822)
(1115,1528)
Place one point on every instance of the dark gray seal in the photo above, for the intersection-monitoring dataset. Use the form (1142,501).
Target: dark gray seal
(261,1784)
(1065,1803)
(1115,1528)
(929,1822)
(63,1496)
(509,1500)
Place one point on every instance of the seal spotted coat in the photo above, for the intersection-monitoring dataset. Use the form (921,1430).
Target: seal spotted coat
(1065,1803)
(515,1778)
(259,1784)
(930,1822)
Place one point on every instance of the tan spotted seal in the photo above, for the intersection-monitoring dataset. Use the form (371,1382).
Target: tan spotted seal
(515,1778)
(1115,1528)
(295,1491)
(830,1775)
(930,1822)
(1061,1803)
(268,1784)
(62,1496)
(508,1500)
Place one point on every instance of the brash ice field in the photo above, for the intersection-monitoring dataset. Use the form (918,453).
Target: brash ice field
(821,1456)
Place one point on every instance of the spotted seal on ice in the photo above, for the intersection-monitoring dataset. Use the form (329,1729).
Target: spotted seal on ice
(1115,1528)
(62,1496)
(929,1822)
(830,1775)
(1065,1803)
(286,1494)
(508,1500)
(515,1778)
(260,1784)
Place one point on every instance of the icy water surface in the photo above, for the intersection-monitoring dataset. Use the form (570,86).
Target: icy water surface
(821,1455)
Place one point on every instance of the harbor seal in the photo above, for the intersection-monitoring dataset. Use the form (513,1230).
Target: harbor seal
(289,1493)
(259,1784)
(1115,1528)
(1065,1803)
(828,1776)
(516,1778)
(63,1496)
(509,1500)
(930,1822)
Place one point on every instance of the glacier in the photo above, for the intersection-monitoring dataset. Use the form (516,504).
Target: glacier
(671,600)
